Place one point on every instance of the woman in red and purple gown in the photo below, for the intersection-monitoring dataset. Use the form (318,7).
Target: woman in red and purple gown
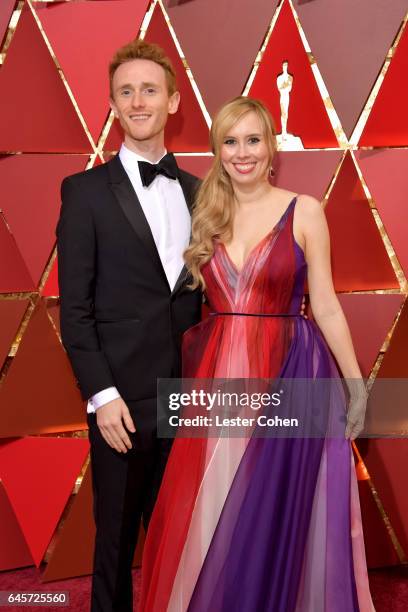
(260,524)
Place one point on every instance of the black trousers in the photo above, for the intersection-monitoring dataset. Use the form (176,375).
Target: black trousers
(125,488)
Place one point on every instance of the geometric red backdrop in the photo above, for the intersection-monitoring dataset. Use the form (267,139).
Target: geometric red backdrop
(335,52)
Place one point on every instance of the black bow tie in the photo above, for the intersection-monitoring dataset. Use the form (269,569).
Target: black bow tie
(167,166)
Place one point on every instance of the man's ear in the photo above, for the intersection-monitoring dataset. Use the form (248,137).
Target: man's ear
(113,107)
(174,102)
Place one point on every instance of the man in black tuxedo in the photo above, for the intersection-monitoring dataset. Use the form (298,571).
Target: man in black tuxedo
(125,305)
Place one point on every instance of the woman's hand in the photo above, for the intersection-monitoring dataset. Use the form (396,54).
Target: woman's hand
(357,408)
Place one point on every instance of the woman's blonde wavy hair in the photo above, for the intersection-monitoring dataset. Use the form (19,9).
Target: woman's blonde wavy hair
(213,211)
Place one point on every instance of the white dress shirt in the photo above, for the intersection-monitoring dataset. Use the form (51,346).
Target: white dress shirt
(167,214)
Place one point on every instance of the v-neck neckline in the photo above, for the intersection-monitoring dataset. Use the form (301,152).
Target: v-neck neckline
(258,244)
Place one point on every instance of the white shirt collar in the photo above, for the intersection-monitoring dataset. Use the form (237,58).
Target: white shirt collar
(129,158)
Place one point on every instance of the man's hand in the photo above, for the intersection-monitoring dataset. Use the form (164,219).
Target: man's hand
(110,419)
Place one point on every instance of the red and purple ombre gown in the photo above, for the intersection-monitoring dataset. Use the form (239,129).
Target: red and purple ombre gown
(257,524)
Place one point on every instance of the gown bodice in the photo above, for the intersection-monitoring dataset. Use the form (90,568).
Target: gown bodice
(271,280)
(251,310)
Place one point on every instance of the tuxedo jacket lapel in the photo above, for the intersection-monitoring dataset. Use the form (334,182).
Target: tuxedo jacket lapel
(129,202)
(188,188)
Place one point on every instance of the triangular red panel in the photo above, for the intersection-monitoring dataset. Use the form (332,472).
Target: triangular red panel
(78,533)
(308,117)
(6,10)
(187,130)
(31,206)
(385,171)
(350,41)
(37,469)
(13,550)
(108,25)
(11,313)
(46,120)
(378,545)
(40,370)
(308,172)
(359,259)
(386,461)
(395,362)
(387,123)
(51,288)
(370,318)
(387,409)
(220,41)
(195,164)
(14,275)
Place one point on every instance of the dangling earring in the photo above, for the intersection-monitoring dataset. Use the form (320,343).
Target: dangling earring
(271,172)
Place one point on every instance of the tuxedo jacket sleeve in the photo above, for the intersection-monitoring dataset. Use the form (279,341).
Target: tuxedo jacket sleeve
(76,240)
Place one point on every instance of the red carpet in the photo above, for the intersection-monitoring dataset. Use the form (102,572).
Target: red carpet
(389,588)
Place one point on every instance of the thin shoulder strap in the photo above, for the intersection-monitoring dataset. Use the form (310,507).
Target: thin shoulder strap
(289,210)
